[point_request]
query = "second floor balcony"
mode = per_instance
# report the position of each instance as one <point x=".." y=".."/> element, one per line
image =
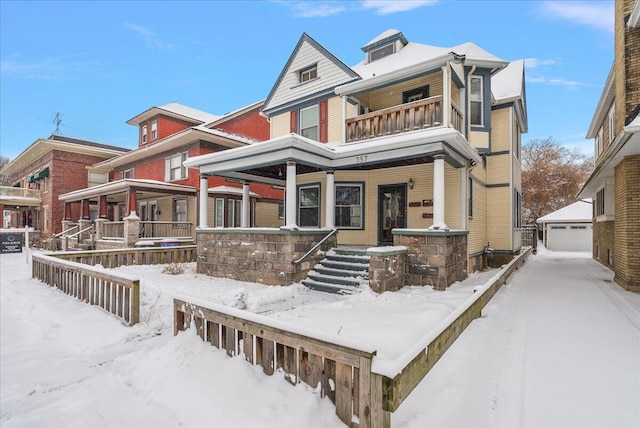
<point x="417" y="115"/>
<point x="20" y="196"/>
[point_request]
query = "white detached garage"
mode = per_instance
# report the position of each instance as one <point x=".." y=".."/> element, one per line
<point x="569" y="228"/>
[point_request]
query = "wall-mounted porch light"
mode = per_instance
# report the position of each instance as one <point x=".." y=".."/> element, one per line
<point x="411" y="183"/>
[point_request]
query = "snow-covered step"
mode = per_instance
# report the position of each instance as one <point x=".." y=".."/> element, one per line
<point x="340" y="272"/>
<point x="329" y="288"/>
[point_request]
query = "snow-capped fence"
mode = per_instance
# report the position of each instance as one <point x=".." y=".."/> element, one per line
<point x="338" y="367"/>
<point x="132" y="256"/>
<point x="116" y="294"/>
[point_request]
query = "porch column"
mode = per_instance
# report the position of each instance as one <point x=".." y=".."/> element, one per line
<point x="67" y="211"/>
<point x="102" y="207"/>
<point x="246" y="204"/>
<point x="446" y="95"/>
<point x="344" y="118"/>
<point x="438" y="193"/>
<point x="132" y="202"/>
<point x="290" y="195"/>
<point x="204" y="202"/>
<point x="84" y="204"/>
<point x="331" y="201"/>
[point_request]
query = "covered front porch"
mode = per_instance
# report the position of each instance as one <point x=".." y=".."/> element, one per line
<point x="389" y="192"/>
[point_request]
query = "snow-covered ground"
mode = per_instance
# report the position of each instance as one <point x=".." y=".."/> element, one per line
<point x="559" y="345"/>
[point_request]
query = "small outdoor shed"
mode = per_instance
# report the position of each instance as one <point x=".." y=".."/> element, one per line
<point x="569" y="228"/>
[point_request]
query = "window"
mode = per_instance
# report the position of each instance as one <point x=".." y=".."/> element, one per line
<point x="309" y="73"/>
<point x="381" y="52"/>
<point x="309" y="122"/>
<point x="219" y="219"/>
<point x="600" y="202"/>
<point x="612" y="125"/>
<point x="45" y="214"/>
<point x="280" y="210"/>
<point x="127" y="173"/>
<point x="180" y="210"/>
<point x="154" y="130"/>
<point x="599" y="142"/>
<point x="234" y="212"/>
<point x="415" y="94"/>
<point x="476" y="101"/>
<point x="349" y="206"/>
<point x="470" y="197"/>
<point x="144" y="134"/>
<point x="309" y="211"/>
<point x="98" y="177"/>
<point x="174" y="170"/>
<point x="517" y="209"/>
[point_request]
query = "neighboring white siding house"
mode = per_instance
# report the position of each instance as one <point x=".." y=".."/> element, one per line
<point x="569" y="228"/>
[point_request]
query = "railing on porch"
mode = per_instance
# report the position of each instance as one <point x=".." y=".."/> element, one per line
<point x="165" y="229"/>
<point x="132" y="256"/>
<point x="116" y="294"/>
<point x="113" y="230"/>
<point x="421" y="114"/>
<point x="529" y="237"/>
<point x="20" y="192"/>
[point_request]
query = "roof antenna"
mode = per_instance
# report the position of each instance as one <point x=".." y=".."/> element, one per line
<point x="57" y="120"/>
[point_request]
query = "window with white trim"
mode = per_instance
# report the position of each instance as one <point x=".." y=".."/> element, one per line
<point x="475" y="97"/>
<point x="517" y="209"/>
<point x="234" y="212"/>
<point x="612" y="125"/>
<point x="309" y="209"/>
<point x="309" y="121"/>
<point x="127" y="173"/>
<point x="600" y="204"/>
<point x="154" y="130"/>
<point x="219" y="215"/>
<point x="174" y="169"/>
<point x="98" y="177"/>
<point x="349" y="201"/>
<point x="144" y="134"/>
<point x="470" y="203"/>
<point x="180" y="210"/>
<point x="308" y="73"/>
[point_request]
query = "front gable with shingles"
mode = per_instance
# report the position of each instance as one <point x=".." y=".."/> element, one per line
<point x="289" y="91"/>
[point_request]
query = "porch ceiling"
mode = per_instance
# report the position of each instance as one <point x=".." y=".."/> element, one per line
<point x="265" y="161"/>
<point x="148" y="188"/>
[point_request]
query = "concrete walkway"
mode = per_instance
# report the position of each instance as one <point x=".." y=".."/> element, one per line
<point x="558" y="346"/>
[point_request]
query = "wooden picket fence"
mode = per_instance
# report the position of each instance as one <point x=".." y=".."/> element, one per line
<point x="340" y="369"/>
<point x="116" y="294"/>
<point x="132" y="256"/>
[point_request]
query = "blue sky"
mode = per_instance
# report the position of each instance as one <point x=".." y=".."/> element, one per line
<point x="99" y="64"/>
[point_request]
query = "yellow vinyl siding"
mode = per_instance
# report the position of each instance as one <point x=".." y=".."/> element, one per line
<point x="498" y="169"/>
<point x="500" y="130"/>
<point x="266" y="215"/>
<point x="479" y="139"/>
<point x="499" y="217"/>
<point x="392" y="95"/>
<point x="452" y="199"/>
<point x="280" y="124"/>
<point x="477" y="237"/>
<point x="334" y="119"/>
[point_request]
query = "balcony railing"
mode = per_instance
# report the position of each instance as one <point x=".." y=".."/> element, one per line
<point x="19" y="192"/>
<point x="421" y="114"/>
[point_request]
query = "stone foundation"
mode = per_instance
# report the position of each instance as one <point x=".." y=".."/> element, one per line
<point x="435" y="258"/>
<point x="387" y="269"/>
<point x="262" y="255"/>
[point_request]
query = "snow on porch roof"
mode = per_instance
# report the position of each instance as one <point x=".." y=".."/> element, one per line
<point x="229" y="190"/>
<point x="580" y="211"/>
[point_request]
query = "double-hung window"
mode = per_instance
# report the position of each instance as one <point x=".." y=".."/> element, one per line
<point x="154" y="129"/>
<point x="309" y="122"/>
<point x="309" y="73"/>
<point x="309" y="210"/>
<point x="180" y="210"/>
<point x="349" y="200"/>
<point x="600" y="210"/>
<point x="144" y="134"/>
<point x="612" y="125"/>
<point x="476" y="100"/>
<point x="174" y="170"/>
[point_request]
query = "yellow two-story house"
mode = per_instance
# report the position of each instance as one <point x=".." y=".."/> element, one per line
<point x="413" y="143"/>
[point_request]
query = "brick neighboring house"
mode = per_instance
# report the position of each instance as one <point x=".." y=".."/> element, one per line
<point x="152" y="182"/>
<point x="615" y="183"/>
<point x="46" y="169"/>
<point x="416" y="146"/>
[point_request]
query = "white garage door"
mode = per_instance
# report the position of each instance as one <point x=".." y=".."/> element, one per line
<point x="569" y="237"/>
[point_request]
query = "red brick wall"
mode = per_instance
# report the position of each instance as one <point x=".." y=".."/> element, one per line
<point x="166" y="126"/>
<point x="250" y="125"/>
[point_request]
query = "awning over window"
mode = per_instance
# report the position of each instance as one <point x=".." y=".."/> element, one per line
<point x="40" y="175"/>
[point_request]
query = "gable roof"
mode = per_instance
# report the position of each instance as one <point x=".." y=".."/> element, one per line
<point x="331" y="73"/>
<point x="176" y="111"/>
<point x="576" y="212"/>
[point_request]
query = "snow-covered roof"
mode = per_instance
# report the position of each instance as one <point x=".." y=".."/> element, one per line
<point x="580" y="211"/>
<point x="384" y="35"/>
<point x="507" y="84"/>
<point x="474" y="54"/>
<point x="175" y="110"/>
<point x="229" y="190"/>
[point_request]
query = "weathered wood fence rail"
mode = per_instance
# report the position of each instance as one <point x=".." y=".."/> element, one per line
<point x="339" y="367"/>
<point x="132" y="256"/>
<point x="116" y="294"/>
<point x="367" y="390"/>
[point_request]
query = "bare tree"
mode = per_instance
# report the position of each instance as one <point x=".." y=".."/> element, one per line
<point x="551" y="176"/>
<point x="4" y="180"/>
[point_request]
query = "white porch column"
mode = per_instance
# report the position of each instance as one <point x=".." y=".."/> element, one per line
<point x="446" y="94"/>
<point x="246" y="204"/>
<point x="290" y="195"/>
<point x="438" y="193"/>
<point x="204" y="198"/>
<point x="344" y="118"/>
<point x="331" y="201"/>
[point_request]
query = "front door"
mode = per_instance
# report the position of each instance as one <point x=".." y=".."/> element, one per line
<point x="392" y="209"/>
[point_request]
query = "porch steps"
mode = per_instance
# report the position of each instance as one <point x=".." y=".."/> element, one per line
<point x="342" y="271"/>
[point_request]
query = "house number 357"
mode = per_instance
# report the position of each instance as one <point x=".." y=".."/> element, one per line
<point x="361" y="159"/>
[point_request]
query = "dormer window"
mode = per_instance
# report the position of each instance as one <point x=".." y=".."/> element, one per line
<point x="309" y="73"/>
<point x="154" y="129"/>
<point x="381" y="52"/>
<point x="144" y="134"/>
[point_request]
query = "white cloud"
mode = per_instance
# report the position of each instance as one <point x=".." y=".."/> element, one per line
<point x="150" y="37"/>
<point x="531" y="63"/>
<point x="386" y="7"/>
<point x="595" y="14"/>
<point x="52" y="68"/>
<point x="557" y="81"/>
<point x="313" y="9"/>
